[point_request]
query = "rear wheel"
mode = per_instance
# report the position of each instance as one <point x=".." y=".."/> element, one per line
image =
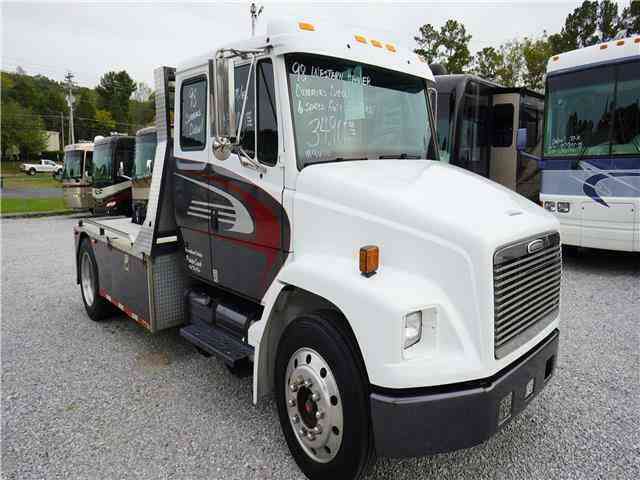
<point x="97" y="307"/>
<point x="322" y="397"/>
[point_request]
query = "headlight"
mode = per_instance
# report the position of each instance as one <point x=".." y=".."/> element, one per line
<point x="412" y="328"/>
<point x="563" y="207"/>
<point x="551" y="206"/>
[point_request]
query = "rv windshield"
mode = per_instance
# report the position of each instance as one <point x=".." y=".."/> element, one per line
<point x="145" y="154"/>
<point x="594" y="112"/>
<point x="72" y="165"/>
<point x="102" y="164"/>
<point x="344" y="110"/>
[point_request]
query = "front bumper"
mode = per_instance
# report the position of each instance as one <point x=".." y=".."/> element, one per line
<point x="441" y="419"/>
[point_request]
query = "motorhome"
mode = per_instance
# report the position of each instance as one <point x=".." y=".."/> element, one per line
<point x="146" y="141"/>
<point x="477" y="126"/>
<point x="591" y="155"/>
<point x="112" y="167"/>
<point x="301" y="228"/>
<point x="76" y="176"/>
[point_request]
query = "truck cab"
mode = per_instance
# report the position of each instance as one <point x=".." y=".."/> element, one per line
<point x="301" y="228"/>
<point x="112" y="166"/>
<point x="478" y="122"/>
<point x="76" y="176"/>
<point x="145" y="151"/>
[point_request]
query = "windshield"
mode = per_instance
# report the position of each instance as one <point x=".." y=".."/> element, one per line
<point x="344" y="110"/>
<point x="102" y="164"/>
<point x="594" y="112"/>
<point x="72" y="165"/>
<point x="145" y="154"/>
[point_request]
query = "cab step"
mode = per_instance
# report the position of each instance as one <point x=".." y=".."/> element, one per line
<point x="216" y="341"/>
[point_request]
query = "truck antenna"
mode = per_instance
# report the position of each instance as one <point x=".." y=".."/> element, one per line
<point x="255" y="13"/>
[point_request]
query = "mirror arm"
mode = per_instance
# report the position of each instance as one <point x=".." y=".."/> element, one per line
<point x="247" y="161"/>
<point x="244" y="101"/>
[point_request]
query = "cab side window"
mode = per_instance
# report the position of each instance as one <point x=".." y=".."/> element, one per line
<point x="193" y="113"/>
<point x="241" y="87"/>
<point x="267" y="117"/>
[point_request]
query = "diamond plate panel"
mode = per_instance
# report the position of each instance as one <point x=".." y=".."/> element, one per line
<point x="169" y="283"/>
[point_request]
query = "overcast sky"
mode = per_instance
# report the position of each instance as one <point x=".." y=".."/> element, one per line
<point x="91" y="38"/>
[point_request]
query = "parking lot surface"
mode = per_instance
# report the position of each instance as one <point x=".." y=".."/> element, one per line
<point x="108" y="400"/>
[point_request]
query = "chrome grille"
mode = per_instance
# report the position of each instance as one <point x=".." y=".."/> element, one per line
<point x="526" y="286"/>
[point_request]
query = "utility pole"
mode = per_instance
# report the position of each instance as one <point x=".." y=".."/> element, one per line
<point x="70" y="101"/>
<point x="255" y="13"/>
<point x="62" y="130"/>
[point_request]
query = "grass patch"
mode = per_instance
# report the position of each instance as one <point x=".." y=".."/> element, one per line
<point x="27" y="205"/>
<point x="23" y="182"/>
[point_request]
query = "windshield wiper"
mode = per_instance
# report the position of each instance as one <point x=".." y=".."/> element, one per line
<point x="400" y="156"/>
<point x="338" y="159"/>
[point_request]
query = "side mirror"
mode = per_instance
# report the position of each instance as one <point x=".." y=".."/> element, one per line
<point x="121" y="171"/>
<point x="149" y="164"/>
<point x="521" y="139"/>
<point x="223" y="127"/>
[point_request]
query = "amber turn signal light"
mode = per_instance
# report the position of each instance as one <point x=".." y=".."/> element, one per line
<point x="369" y="260"/>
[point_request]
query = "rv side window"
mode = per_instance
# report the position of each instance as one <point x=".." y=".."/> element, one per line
<point x="248" y="131"/>
<point x="502" y="125"/>
<point x="193" y="114"/>
<point x="530" y="118"/>
<point x="267" y="118"/>
<point x="88" y="163"/>
<point x="124" y="155"/>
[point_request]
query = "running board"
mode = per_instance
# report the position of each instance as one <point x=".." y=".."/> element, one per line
<point x="218" y="342"/>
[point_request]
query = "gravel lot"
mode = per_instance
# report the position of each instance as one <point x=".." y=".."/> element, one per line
<point x="108" y="400"/>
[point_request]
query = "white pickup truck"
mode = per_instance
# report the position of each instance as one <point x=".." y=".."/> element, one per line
<point x="46" y="166"/>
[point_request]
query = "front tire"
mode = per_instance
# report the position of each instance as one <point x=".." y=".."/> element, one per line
<point x="322" y="399"/>
<point x="97" y="307"/>
<point x="32" y="171"/>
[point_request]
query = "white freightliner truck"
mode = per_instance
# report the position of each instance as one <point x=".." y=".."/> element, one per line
<point x="299" y="224"/>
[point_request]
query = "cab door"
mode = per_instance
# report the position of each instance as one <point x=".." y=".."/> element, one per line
<point x="192" y="154"/>
<point x="251" y="229"/>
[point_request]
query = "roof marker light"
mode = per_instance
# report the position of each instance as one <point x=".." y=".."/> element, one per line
<point x="637" y="40"/>
<point x="391" y="47"/>
<point x="620" y="42"/>
<point x="360" y="38"/>
<point x="306" y="26"/>
<point x="604" y="46"/>
<point x="376" y="43"/>
<point x="556" y="58"/>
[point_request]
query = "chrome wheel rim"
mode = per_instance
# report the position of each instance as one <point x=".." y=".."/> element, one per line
<point x="86" y="274"/>
<point x="314" y="405"/>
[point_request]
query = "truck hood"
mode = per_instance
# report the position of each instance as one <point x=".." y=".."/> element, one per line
<point x="430" y="196"/>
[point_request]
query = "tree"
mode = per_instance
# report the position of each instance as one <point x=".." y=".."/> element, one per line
<point x="85" y="114"/>
<point x="591" y="23"/>
<point x="536" y="54"/>
<point x="114" y="92"/>
<point x="21" y="130"/>
<point x="487" y="62"/>
<point x="142" y="92"/>
<point x="449" y="45"/>
<point x="511" y="72"/>
<point x="105" y="124"/>
<point x="630" y="18"/>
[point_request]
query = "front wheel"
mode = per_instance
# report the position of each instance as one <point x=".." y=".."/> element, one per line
<point x="322" y="398"/>
<point x="32" y="171"/>
<point x="97" y="307"/>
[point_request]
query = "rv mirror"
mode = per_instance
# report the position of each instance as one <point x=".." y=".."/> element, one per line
<point x="521" y="139"/>
<point x="149" y="163"/>
<point x="121" y="169"/>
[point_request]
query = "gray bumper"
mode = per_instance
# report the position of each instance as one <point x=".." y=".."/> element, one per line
<point x="419" y="422"/>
